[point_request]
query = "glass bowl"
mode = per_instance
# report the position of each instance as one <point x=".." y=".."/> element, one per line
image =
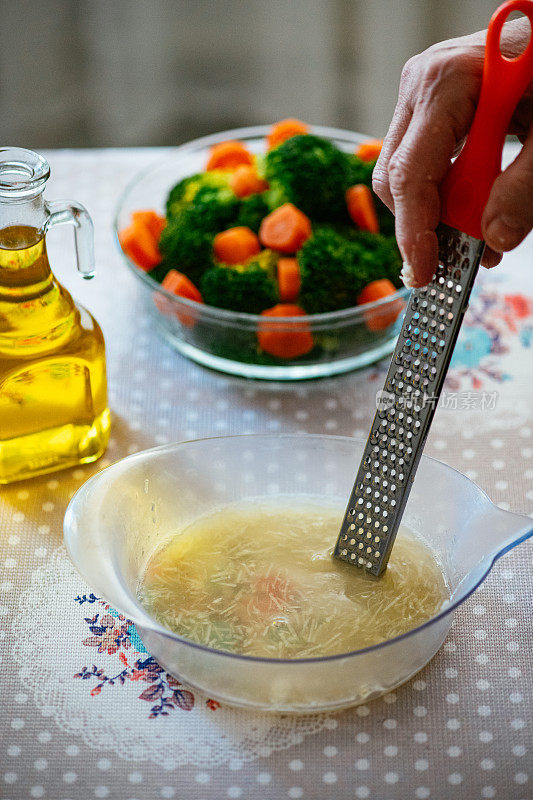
<point x="227" y="340"/>
<point x="121" y="515"/>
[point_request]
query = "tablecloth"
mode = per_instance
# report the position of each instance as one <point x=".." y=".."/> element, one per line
<point x="79" y="693"/>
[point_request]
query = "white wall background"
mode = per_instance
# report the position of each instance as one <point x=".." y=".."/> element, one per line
<point x="132" y="72"/>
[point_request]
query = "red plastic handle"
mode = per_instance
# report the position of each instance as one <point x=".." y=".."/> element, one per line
<point x="466" y="188"/>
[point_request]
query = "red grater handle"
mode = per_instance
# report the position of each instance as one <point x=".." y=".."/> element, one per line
<point x="466" y="188"/>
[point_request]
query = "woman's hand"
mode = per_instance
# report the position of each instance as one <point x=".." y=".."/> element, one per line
<point x="437" y="99"/>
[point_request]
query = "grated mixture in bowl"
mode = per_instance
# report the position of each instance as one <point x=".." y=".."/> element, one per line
<point x="261" y="581"/>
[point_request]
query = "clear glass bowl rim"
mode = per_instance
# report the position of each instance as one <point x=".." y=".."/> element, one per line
<point x="157" y="628"/>
<point x="350" y="315"/>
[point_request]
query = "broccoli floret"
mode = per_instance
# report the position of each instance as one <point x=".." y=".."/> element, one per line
<point x="332" y="271"/>
<point x="310" y="172"/>
<point x="187" y="241"/>
<point x="252" y="211"/>
<point x="186" y="244"/>
<point x="249" y="287"/>
<point x="198" y="208"/>
<point x="360" y="171"/>
<point x="267" y="260"/>
<point x="204" y="187"/>
<point x="379" y="255"/>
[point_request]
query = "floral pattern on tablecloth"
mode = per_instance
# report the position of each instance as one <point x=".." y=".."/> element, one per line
<point x="495" y="323"/>
<point x="112" y="633"/>
<point x="102" y="650"/>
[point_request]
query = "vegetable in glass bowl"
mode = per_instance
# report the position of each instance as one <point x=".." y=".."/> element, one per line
<point x="264" y="252"/>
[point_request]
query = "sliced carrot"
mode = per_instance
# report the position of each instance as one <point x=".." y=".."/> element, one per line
<point x="361" y="207"/>
<point x="289" y="340"/>
<point x="179" y="284"/>
<point x="228" y="155"/>
<point x="152" y="220"/>
<point x="285" y="229"/>
<point x="140" y="245"/>
<point x="272" y="592"/>
<point x="283" y="130"/>
<point x="370" y="150"/>
<point x="236" y="245"/>
<point x="289" y="280"/>
<point x="245" y="181"/>
<point x="380" y="318"/>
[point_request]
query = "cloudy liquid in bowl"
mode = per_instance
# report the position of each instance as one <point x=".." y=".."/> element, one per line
<point x="261" y="581"/>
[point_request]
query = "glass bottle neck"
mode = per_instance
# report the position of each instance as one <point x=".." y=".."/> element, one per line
<point x="24" y="266"/>
<point x="29" y="213"/>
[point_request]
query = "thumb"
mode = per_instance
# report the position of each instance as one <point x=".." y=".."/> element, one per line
<point x="508" y="215"/>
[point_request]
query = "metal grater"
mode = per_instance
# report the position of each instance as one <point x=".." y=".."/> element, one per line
<point x="407" y="404"/>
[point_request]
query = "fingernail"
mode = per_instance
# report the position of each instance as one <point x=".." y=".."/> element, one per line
<point x="408" y="277"/>
<point x="504" y="234"/>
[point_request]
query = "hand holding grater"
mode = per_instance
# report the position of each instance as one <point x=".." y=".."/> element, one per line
<point x="434" y="315"/>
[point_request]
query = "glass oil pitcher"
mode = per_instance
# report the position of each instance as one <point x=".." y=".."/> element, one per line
<point x="53" y="392"/>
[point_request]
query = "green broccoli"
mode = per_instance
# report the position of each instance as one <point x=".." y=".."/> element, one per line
<point x="379" y="256"/>
<point x="252" y="211"/>
<point x="310" y="172"/>
<point x="360" y="171"/>
<point x="332" y="271"/>
<point x="187" y="244"/>
<point x="201" y="210"/>
<point x="249" y="287"/>
<point x="213" y="185"/>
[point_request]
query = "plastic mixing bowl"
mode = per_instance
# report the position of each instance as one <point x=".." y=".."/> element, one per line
<point x="121" y="515"/>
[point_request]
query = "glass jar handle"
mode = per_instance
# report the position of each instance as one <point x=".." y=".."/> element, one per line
<point x="61" y="212"/>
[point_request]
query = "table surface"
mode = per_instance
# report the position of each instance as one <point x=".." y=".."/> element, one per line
<point x="76" y="704"/>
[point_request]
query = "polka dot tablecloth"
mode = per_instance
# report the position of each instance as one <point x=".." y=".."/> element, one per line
<point x="82" y="701"/>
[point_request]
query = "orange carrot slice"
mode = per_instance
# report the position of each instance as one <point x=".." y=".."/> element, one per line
<point x="228" y="155"/>
<point x="361" y="208"/>
<point x="284" y="130"/>
<point x="285" y="229"/>
<point x="236" y="245"/>
<point x="285" y="341"/>
<point x="179" y="284"/>
<point x="380" y="318"/>
<point x="245" y="181"/>
<point x="140" y="245"/>
<point x="370" y="150"/>
<point x="152" y="220"/>
<point x="289" y="280"/>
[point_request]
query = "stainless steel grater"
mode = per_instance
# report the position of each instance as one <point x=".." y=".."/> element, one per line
<point x="407" y="404"/>
<point x="434" y="313"/>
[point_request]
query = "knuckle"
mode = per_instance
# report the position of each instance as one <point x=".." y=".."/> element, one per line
<point x="409" y="69"/>
<point x="522" y="185"/>
<point x="380" y="181"/>
<point x="399" y="174"/>
<point x="445" y="66"/>
<point x="510" y="192"/>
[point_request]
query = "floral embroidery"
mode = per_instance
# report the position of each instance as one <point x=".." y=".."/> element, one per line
<point x="492" y="321"/>
<point x="108" y="636"/>
<point x="84" y="599"/>
<point x="112" y="633"/>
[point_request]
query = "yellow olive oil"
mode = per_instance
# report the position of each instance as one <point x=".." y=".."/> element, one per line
<point x="53" y="393"/>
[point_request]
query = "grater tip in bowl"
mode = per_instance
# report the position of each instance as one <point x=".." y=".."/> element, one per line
<point x="406" y="406"/>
